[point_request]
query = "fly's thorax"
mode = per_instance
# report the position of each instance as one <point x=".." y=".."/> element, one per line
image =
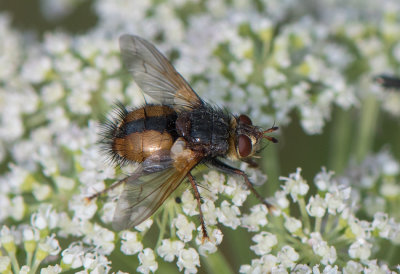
<point x="206" y="129"/>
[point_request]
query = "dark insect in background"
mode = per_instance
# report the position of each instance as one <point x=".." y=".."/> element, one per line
<point x="169" y="139"/>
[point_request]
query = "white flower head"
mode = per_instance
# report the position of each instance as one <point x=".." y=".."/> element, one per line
<point x="288" y="257"/>
<point x="295" y="185"/>
<point x="323" y="179"/>
<point x="189" y="260"/>
<point x="237" y="191"/>
<point x="51" y="269"/>
<point x="144" y="226"/>
<point x="335" y="199"/>
<point x="321" y="248"/>
<point x="189" y="203"/>
<point x="292" y="224"/>
<point x="265" y="241"/>
<point x="209" y="245"/>
<point x="316" y="206"/>
<point x="130" y="244"/>
<point x="185" y="228"/>
<point x="147" y="261"/>
<point x="168" y="249"/>
<point x="257" y="218"/>
<point x="360" y="249"/>
<point x="73" y="255"/>
<point x="209" y="212"/>
<point x="228" y="214"/>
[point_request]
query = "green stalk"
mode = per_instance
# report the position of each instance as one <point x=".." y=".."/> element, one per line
<point x="270" y="166"/>
<point x="216" y="263"/>
<point x="304" y="215"/>
<point x="367" y="127"/>
<point x="340" y="140"/>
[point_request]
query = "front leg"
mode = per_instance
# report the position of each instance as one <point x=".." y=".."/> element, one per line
<point x="231" y="170"/>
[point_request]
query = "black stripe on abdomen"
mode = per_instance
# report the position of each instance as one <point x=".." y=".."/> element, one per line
<point x="157" y="123"/>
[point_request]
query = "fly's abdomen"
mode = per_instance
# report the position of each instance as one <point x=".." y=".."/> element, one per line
<point x="142" y="132"/>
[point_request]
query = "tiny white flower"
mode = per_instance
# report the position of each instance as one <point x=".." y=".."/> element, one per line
<point x="64" y="183"/>
<point x="323" y="179"/>
<point x="189" y="260"/>
<point x="265" y="241"/>
<point x="210" y="245"/>
<point x="18" y="208"/>
<point x="352" y="267"/>
<point x="390" y="190"/>
<point x="237" y="191"/>
<point x="316" y="206"/>
<point x="25" y="270"/>
<point x="321" y="248"/>
<point x="184" y="227"/>
<point x="46" y="217"/>
<point x="129" y="243"/>
<point x="49" y="246"/>
<point x="228" y="215"/>
<point x="273" y="77"/>
<point x="209" y="212"/>
<point x="41" y="191"/>
<point x="360" y="228"/>
<point x="30" y="234"/>
<point x="288" y="257"/>
<point x="51" y="269"/>
<point x="147" y="261"/>
<point x="360" y="249"/>
<point x="96" y="263"/>
<point x="189" y="203"/>
<point x="292" y="224"/>
<point x="216" y="182"/>
<point x="5" y="264"/>
<point x="281" y="200"/>
<point x="168" y="249"/>
<point x="52" y="92"/>
<point x="257" y="218"/>
<point x="73" y="255"/>
<point x="295" y="185"/>
<point x="101" y="237"/>
<point x="144" y="226"/>
<point x="81" y="208"/>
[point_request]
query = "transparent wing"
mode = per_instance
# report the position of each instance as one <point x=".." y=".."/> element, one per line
<point x="144" y="193"/>
<point x="155" y="75"/>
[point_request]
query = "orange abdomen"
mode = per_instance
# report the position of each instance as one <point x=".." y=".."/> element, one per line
<point x="145" y="131"/>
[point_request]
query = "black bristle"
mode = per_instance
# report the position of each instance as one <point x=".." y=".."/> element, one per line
<point x="108" y="132"/>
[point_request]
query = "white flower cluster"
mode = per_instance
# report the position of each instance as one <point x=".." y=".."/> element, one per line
<point x="264" y="58"/>
<point x="330" y="212"/>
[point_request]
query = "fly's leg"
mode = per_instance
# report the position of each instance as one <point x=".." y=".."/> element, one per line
<point x="198" y="198"/>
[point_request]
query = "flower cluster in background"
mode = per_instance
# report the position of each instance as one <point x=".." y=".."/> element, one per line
<point x="284" y="62"/>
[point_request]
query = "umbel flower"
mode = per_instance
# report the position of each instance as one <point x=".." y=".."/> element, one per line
<point x="305" y="63"/>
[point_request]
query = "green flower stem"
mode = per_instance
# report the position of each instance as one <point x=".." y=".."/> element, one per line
<point x="367" y="127"/>
<point x="317" y="225"/>
<point x="14" y="262"/>
<point x="164" y="220"/>
<point x="216" y="263"/>
<point x="340" y="140"/>
<point x="304" y="215"/>
<point x="270" y="166"/>
<point x="329" y="226"/>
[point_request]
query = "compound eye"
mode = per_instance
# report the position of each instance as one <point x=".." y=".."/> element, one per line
<point x="245" y="119"/>
<point x="244" y="145"/>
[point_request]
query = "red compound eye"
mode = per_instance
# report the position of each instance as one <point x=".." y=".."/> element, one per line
<point x="245" y="119"/>
<point x="244" y="145"/>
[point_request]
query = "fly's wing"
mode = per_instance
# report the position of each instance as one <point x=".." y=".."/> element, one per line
<point x="155" y="75"/>
<point x="147" y="189"/>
